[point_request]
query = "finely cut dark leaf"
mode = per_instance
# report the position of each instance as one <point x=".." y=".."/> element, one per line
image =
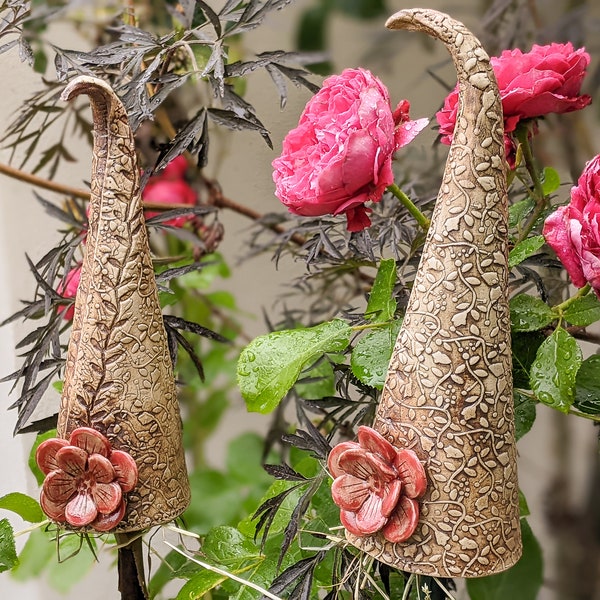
<point x="284" y="472"/>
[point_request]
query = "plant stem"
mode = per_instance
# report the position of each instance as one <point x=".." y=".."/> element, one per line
<point x="522" y="135"/>
<point x="560" y="308"/>
<point x="421" y="219"/>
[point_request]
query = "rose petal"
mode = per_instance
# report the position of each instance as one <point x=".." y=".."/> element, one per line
<point x="90" y="440"/>
<point x="45" y="455"/>
<point x="369" y="517"/>
<point x="107" y="496"/>
<point x="126" y="470"/>
<point x="101" y="469"/>
<point x="59" y="486"/>
<point x="411" y="473"/>
<point x="366" y="465"/>
<point x="55" y="510"/>
<point x="81" y="510"/>
<point x="72" y="460"/>
<point x="373" y="441"/>
<point x="334" y="457"/>
<point x="349" y="492"/>
<point x="403" y="521"/>
<point x="111" y="520"/>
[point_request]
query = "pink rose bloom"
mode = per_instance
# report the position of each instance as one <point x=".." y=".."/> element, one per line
<point x="376" y="486"/>
<point x="67" y="288"/>
<point x="547" y="79"/>
<point x="340" y="155"/>
<point x="170" y="187"/>
<point x="573" y="231"/>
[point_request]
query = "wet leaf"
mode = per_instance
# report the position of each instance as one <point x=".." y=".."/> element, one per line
<point x="554" y="370"/>
<point x="522" y="581"/>
<point x="524" y="413"/>
<point x="528" y="313"/>
<point x="550" y="180"/>
<point x="525" y="249"/>
<point x="382" y="306"/>
<point x="270" y="364"/>
<point x="587" y="386"/>
<point x="199" y="585"/>
<point x="371" y="354"/>
<point x="583" y="311"/>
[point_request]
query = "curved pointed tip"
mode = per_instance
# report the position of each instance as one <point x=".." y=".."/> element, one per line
<point x="84" y="84"/>
<point x="397" y="20"/>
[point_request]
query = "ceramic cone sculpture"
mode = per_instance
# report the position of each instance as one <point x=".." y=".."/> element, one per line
<point x="448" y="393"/>
<point x="118" y="377"/>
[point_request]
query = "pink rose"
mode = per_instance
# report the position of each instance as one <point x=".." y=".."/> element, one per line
<point x="533" y="84"/>
<point x="340" y="155"/>
<point x="573" y="231"/>
<point x="67" y="288"/>
<point x="170" y="187"/>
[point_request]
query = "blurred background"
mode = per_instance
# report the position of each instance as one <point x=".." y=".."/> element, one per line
<point x="563" y="493"/>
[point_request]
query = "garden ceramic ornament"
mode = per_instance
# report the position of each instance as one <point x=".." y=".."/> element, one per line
<point x="432" y="487"/>
<point x="118" y="462"/>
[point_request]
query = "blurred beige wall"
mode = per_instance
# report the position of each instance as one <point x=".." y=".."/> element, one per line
<point x="245" y="175"/>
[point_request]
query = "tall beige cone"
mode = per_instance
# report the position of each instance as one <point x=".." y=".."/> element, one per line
<point x="118" y="377"/>
<point x="448" y="393"/>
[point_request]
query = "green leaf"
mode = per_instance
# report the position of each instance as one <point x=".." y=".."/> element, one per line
<point x="37" y="553"/>
<point x="244" y="459"/>
<point x="8" y="551"/>
<point x="524" y="413"/>
<point x="525" y="249"/>
<point x="518" y="211"/>
<point x="229" y="547"/>
<point x="25" y="506"/>
<point x="199" y="585"/>
<point x="41" y="437"/>
<point x="583" y="311"/>
<point x="382" y="306"/>
<point x="318" y="381"/>
<point x="524" y="349"/>
<point x="550" y="180"/>
<point x="554" y="370"/>
<point x="166" y="571"/>
<point x="528" y="313"/>
<point x="361" y="9"/>
<point x="587" y="386"/>
<point x="522" y="581"/>
<point x="75" y="561"/>
<point x="270" y="365"/>
<point x="523" y="506"/>
<point x="371" y="355"/>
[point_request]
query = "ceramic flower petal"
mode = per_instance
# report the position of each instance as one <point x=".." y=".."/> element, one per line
<point x="59" y="486"/>
<point x="107" y="496"/>
<point x="45" y="455"/>
<point x="72" y="460"/>
<point x="125" y="469"/>
<point x="55" y="510"/>
<point x="391" y="496"/>
<point x="369" y="517"/>
<point x="365" y="465"/>
<point x="111" y="520"/>
<point x="411" y="473"/>
<point x="90" y="440"/>
<point x="334" y="457"/>
<point x="371" y="440"/>
<point x="350" y="492"/>
<point x="101" y="469"/>
<point x="81" y="510"/>
<point x="403" y="521"/>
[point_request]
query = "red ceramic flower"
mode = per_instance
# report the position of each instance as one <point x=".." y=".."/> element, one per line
<point x="340" y="155"/>
<point x="67" y="288"/>
<point x="170" y="187"/>
<point x="573" y="231"/>
<point x="85" y="479"/>
<point x="376" y="486"/>
<point x="545" y="80"/>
